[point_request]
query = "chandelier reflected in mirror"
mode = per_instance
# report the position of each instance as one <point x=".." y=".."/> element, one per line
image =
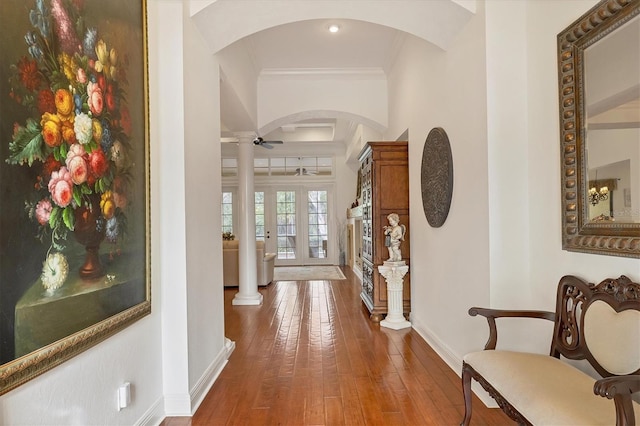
<point x="599" y="190"/>
<point x="598" y="194"/>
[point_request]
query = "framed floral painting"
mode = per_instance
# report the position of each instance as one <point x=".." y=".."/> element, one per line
<point x="74" y="179"/>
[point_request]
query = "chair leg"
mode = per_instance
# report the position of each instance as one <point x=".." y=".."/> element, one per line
<point x="466" y="392"/>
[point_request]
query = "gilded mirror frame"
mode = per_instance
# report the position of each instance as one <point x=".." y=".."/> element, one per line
<point x="578" y="234"/>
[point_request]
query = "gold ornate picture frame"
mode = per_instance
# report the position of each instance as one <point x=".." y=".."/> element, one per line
<point x="74" y="179"/>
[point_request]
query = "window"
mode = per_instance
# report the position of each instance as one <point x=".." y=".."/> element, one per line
<point x="282" y="166"/>
<point x="229" y="167"/>
<point x="227" y="212"/>
<point x="317" y="211"/>
<point x="261" y="166"/>
<point x="277" y="167"/>
<point x="286" y="224"/>
<point x="259" y="200"/>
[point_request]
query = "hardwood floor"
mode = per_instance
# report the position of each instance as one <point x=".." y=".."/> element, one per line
<point x="310" y="356"/>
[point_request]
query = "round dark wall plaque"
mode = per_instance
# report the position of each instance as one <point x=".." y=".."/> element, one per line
<point x="436" y="177"/>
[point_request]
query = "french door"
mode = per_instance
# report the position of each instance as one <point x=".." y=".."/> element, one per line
<point x="295" y="222"/>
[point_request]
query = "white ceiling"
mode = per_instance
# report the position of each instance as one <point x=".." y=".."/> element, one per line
<point x="308" y="45"/>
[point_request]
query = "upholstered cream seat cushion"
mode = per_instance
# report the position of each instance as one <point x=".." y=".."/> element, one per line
<point x="231" y="264"/>
<point x="544" y="389"/>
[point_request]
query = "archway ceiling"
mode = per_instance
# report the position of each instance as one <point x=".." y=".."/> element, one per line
<point x="302" y="47"/>
<point x="308" y="46"/>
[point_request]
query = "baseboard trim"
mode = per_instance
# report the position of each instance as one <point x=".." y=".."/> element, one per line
<point x="451" y="359"/>
<point x="174" y="405"/>
<point x="357" y="271"/>
<point x="177" y="405"/>
<point x="153" y="416"/>
<point x="210" y="375"/>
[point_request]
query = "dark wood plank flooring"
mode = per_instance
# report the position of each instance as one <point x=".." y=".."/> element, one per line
<point x="310" y="356"/>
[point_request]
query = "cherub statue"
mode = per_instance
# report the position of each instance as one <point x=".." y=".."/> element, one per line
<point x="394" y="234"/>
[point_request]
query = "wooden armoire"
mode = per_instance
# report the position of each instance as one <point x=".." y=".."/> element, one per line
<point x="385" y="189"/>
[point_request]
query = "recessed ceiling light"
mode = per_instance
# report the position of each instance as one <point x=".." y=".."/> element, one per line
<point x="334" y="28"/>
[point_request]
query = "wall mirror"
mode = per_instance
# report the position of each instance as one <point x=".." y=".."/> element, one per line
<point x="599" y="83"/>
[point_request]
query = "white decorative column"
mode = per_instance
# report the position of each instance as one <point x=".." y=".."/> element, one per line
<point x="248" y="293"/>
<point x="393" y="272"/>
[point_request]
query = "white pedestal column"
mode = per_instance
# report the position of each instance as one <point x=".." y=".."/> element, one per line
<point x="393" y="272"/>
<point x="248" y="293"/>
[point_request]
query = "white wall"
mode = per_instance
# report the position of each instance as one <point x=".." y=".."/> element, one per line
<point x="431" y="88"/>
<point x="169" y="79"/>
<point x="239" y="77"/>
<point x="548" y="261"/>
<point x="205" y="298"/>
<point x="361" y="136"/>
<point x="83" y="391"/>
<point x="495" y="93"/>
<point x="346" y="179"/>
<point x="507" y="148"/>
<point x="362" y="93"/>
<point x="194" y="348"/>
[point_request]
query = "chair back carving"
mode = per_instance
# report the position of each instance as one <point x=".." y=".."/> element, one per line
<point x="609" y="310"/>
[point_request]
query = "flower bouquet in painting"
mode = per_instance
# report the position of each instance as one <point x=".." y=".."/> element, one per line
<point x="77" y="136"/>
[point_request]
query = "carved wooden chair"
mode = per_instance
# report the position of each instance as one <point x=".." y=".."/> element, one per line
<point x="597" y="323"/>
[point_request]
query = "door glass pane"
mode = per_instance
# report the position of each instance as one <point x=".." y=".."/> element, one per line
<point x="227" y="212"/>
<point x="317" y="208"/>
<point x="286" y="224"/>
<point x="259" y="201"/>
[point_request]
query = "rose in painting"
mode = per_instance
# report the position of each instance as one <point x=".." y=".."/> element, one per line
<point x="76" y="134"/>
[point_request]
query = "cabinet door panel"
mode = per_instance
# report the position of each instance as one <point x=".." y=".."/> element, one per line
<point x="392" y="182"/>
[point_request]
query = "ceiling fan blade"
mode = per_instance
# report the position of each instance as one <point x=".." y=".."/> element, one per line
<point x="266" y="144"/>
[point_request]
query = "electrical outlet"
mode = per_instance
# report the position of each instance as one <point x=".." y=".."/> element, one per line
<point x="124" y="396"/>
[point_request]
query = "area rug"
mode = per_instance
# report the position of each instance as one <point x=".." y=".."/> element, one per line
<point x="307" y="273"/>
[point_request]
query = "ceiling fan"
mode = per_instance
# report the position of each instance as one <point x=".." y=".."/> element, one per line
<point x="265" y="144"/>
